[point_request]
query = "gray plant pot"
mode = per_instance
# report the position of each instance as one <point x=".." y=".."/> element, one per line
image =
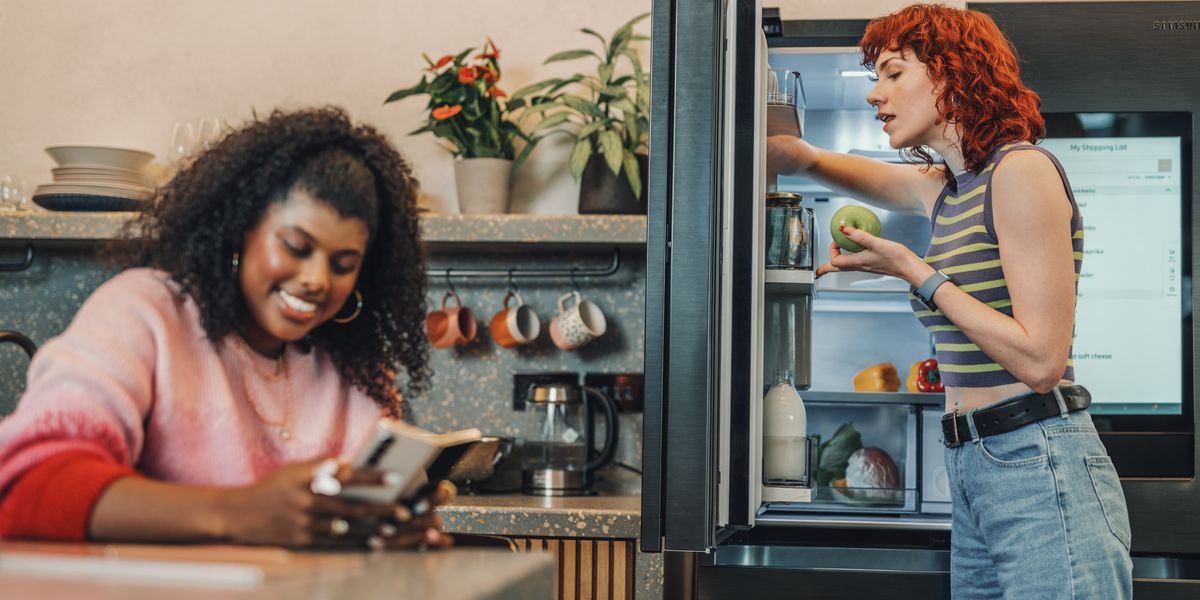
<point x="602" y="193"/>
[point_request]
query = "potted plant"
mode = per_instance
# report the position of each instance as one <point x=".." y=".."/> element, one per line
<point x="469" y="112"/>
<point x="611" y="110"/>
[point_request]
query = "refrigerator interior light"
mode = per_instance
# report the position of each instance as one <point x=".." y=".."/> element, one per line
<point x="855" y="73"/>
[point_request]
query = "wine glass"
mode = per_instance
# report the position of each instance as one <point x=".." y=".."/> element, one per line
<point x="209" y="132"/>
<point x="183" y="141"/>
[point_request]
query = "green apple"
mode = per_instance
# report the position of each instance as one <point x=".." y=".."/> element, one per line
<point x="858" y="217"/>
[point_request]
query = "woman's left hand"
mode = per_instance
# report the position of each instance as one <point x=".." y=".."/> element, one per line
<point x="877" y="256"/>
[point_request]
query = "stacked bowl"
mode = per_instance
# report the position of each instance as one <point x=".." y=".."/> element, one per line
<point x="96" y="178"/>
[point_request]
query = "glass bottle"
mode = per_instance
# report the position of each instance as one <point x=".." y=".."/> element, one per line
<point x="785" y="431"/>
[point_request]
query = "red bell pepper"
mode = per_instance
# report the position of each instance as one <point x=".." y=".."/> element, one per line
<point x="929" y="378"/>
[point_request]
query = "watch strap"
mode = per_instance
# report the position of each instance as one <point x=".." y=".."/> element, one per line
<point x="925" y="292"/>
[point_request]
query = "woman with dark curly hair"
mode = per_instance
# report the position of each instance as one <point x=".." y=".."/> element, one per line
<point x="278" y="291"/>
<point x="1038" y="510"/>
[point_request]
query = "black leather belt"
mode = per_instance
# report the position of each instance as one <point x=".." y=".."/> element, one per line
<point x="1010" y="414"/>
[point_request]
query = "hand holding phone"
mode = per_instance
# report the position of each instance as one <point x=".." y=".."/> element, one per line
<point x="413" y="461"/>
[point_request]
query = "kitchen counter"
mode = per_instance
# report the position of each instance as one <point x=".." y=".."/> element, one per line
<point x="537" y="516"/>
<point x="130" y="572"/>
<point x="610" y="516"/>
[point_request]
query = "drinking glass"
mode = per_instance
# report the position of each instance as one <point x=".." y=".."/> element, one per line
<point x="183" y="141"/>
<point x="209" y="132"/>
<point x="12" y="193"/>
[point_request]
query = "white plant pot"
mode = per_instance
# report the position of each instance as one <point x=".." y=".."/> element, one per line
<point x="483" y="185"/>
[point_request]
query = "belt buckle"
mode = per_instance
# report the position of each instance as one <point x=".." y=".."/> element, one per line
<point x="954" y="426"/>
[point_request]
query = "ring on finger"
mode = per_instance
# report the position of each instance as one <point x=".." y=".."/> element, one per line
<point x="338" y="527"/>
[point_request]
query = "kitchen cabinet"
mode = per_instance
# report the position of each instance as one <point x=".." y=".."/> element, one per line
<point x="587" y="569"/>
<point x="592" y="540"/>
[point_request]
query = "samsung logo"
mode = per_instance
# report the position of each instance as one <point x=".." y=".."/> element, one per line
<point x="1177" y="26"/>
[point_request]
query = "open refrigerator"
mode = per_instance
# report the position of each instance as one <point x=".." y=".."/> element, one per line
<point x="720" y="322"/>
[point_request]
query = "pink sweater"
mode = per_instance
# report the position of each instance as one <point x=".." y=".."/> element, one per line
<point x="135" y="380"/>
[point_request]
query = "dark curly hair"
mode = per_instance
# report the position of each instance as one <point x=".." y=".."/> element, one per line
<point x="201" y="217"/>
<point x="976" y="65"/>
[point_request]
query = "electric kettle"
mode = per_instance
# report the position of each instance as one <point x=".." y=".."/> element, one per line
<point x="559" y="457"/>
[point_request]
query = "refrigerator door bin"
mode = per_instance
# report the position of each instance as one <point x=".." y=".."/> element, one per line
<point x="866" y="458"/>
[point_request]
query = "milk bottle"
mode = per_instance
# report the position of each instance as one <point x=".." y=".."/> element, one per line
<point x="785" y="427"/>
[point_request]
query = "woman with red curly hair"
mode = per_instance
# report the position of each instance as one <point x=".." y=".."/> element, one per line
<point x="1038" y="510"/>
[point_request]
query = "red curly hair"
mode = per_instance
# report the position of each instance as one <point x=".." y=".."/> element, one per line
<point x="965" y="52"/>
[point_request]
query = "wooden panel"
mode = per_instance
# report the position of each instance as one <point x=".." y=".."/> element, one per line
<point x="570" y="570"/>
<point x="587" y="569"/>
<point x="603" y="570"/>
<point x="622" y="571"/>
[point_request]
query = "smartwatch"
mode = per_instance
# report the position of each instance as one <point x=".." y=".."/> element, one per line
<point x="925" y="293"/>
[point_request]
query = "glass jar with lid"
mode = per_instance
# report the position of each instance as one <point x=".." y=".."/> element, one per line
<point x="790" y="232"/>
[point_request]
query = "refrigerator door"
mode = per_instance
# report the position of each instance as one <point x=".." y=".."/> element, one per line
<point x="704" y="274"/>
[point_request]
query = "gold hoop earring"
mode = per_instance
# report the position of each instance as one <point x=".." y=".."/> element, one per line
<point x="358" y="298"/>
<point x="236" y="257"/>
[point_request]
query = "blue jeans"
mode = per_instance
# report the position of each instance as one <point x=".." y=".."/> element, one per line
<point x="1038" y="513"/>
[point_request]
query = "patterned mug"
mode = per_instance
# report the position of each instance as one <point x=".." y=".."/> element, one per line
<point x="577" y="325"/>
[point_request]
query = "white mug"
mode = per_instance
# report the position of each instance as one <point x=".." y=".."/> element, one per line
<point x="577" y="325"/>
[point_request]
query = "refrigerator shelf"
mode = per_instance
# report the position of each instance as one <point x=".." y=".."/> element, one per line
<point x="774" y="515"/>
<point x="789" y="281"/>
<point x="786" y="493"/>
<point x="921" y="399"/>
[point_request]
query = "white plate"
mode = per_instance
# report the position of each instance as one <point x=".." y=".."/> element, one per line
<point x="93" y="190"/>
<point x="99" y="179"/>
<point x="97" y="170"/>
<point x="123" y="158"/>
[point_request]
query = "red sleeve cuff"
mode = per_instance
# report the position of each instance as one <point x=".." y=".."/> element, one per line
<point x="54" y="499"/>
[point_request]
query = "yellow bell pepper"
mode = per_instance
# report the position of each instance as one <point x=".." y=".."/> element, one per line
<point x="882" y="377"/>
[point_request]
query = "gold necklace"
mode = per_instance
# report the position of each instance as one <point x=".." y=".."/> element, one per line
<point x="279" y="362"/>
<point x="285" y="432"/>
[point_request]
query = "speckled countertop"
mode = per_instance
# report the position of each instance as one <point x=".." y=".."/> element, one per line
<point x="535" y="516"/>
<point x="623" y="230"/>
<point x="613" y="512"/>
<point x="53" y="571"/>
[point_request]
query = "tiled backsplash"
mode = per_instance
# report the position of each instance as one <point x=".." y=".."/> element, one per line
<point x="472" y="384"/>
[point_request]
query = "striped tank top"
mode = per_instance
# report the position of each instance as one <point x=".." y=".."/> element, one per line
<point x="965" y="248"/>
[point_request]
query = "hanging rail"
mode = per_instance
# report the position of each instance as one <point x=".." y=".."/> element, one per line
<point x="572" y="272"/>
<point x="20" y="266"/>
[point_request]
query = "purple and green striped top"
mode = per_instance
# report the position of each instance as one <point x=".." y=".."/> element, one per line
<point x="964" y="247"/>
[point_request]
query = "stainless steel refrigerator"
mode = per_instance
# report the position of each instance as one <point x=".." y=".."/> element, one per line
<point x="710" y="302"/>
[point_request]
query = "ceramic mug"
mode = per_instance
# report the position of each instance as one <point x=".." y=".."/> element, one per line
<point x="577" y="325"/>
<point x="450" y="326"/>
<point x="515" y="325"/>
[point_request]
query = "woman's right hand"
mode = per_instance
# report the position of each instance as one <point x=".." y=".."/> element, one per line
<point x="281" y="509"/>
<point x="789" y="155"/>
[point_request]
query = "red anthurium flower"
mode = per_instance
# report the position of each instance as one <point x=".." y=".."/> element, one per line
<point x="489" y="75"/>
<point x="442" y="113"/>
<point x="494" y="54"/>
<point x="496" y="92"/>
<point x="467" y="75"/>
<point x="443" y="60"/>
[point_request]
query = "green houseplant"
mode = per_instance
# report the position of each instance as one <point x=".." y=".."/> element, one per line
<point x="610" y="108"/>
<point x="472" y="116"/>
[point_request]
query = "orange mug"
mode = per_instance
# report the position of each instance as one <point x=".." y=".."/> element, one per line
<point x="515" y="325"/>
<point x="449" y="327"/>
